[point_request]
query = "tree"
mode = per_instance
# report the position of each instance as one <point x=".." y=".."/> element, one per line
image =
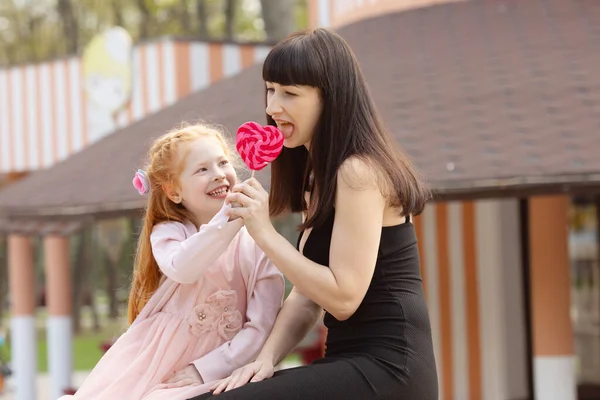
<point x="40" y="30"/>
<point x="202" y="14"/>
<point x="229" y="18"/>
<point x="70" y="28"/>
<point x="145" y="20"/>
<point x="3" y="277"/>
<point x="278" y="17"/>
<point x="83" y="291"/>
<point x="112" y="236"/>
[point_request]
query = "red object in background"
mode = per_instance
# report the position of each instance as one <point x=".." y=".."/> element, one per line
<point x="313" y="346"/>
<point x="69" y="391"/>
<point x="107" y="344"/>
<point x="311" y="354"/>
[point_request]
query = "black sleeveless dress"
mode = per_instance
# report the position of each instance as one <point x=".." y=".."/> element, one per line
<point x="383" y="351"/>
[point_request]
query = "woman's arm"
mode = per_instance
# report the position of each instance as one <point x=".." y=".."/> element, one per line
<point x="359" y="206"/>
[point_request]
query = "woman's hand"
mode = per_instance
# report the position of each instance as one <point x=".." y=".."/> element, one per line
<point x="251" y="204"/>
<point x="253" y="372"/>
<point x="187" y="376"/>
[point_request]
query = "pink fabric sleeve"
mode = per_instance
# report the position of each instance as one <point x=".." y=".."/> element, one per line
<point x="185" y="260"/>
<point x="262" y="309"/>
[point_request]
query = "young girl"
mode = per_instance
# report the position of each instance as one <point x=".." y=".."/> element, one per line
<point x="204" y="297"/>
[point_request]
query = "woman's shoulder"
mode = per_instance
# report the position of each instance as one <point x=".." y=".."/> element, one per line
<point x="360" y="173"/>
<point x="362" y="181"/>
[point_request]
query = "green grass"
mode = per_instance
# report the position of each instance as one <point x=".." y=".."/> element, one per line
<point x="293" y="358"/>
<point x="86" y="352"/>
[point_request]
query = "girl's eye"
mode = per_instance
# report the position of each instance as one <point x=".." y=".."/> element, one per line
<point x="201" y="170"/>
<point x="290" y="93"/>
<point x="270" y="90"/>
<point x="224" y="162"/>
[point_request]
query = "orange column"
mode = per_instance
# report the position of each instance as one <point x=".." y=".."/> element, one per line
<point x="59" y="301"/>
<point x="319" y="13"/>
<point x="313" y="14"/>
<point x="553" y="348"/>
<point x="21" y="278"/>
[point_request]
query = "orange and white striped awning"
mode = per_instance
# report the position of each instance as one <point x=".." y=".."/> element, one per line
<point x="42" y="106"/>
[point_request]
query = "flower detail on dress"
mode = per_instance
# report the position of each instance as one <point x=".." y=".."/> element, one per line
<point x="202" y="319"/>
<point x="219" y="314"/>
<point x="223" y="300"/>
<point x="230" y="323"/>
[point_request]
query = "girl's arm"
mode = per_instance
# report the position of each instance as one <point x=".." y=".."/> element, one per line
<point x="261" y="313"/>
<point x="185" y="260"/>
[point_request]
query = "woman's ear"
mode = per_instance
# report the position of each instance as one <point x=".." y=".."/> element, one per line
<point x="172" y="193"/>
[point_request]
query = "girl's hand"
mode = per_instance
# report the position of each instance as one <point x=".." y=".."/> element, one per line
<point x="188" y="376"/>
<point x="252" y="204"/>
<point x="253" y="372"/>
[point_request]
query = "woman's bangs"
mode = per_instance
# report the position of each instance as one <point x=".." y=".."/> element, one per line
<point x="290" y="63"/>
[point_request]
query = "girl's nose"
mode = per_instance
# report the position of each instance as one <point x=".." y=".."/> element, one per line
<point x="219" y="175"/>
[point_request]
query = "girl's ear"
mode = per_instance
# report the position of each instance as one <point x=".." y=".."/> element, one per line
<point x="172" y="192"/>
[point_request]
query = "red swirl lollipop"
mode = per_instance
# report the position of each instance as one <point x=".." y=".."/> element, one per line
<point x="258" y="145"/>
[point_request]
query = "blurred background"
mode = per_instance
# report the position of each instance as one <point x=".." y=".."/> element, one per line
<point x="496" y="101"/>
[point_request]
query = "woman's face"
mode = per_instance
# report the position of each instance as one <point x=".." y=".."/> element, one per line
<point x="296" y="110"/>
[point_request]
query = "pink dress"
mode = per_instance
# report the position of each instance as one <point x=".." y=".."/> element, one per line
<point x="215" y="308"/>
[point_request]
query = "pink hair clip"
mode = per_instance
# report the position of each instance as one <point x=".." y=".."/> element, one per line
<point x="141" y="182"/>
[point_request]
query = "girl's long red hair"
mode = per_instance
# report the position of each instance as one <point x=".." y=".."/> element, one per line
<point x="166" y="161"/>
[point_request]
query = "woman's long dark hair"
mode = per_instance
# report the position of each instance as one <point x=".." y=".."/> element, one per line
<point x="348" y="126"/>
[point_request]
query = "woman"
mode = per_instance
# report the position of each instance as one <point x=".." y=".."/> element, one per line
<point x="357" y="256"/>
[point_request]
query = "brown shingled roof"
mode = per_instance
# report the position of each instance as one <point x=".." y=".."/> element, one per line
<point x="485" y="96"/>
